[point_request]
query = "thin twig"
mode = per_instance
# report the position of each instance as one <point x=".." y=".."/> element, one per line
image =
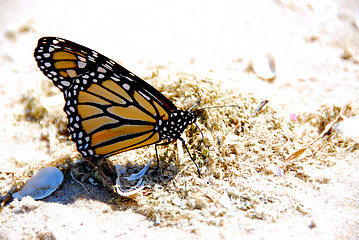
<point x="79" y="182"/>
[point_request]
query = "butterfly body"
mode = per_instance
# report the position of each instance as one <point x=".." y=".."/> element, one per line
<point x="109" y="109"/>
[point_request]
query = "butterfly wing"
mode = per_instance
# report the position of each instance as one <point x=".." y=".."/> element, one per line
<point x="109" y="109"/>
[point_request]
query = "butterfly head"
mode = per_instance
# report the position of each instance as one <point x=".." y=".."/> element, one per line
<point x="177" y="122"/>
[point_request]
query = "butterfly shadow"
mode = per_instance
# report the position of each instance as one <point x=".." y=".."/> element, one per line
<point x="74" y="188"/>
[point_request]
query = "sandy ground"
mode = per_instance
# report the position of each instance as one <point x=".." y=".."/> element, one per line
<point x="211" y="40"/>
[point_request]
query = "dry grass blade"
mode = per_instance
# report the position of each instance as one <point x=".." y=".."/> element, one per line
<point x="326" y="129"/>
<point x="261" y="105"/>
<point x="294" y="156"/>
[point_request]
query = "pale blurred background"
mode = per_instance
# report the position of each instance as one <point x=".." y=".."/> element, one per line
<point x="211" y="39"/>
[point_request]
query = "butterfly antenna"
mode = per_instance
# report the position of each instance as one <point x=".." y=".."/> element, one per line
<point x="196" y="104"/>
<point x="221" y="106"/>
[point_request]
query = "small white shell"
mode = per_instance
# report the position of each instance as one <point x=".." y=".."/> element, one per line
<point x="139" y="185"/>
<point x="41" y="184"/>
<point x="140" y="173"/>
<point x="264" y="67"/>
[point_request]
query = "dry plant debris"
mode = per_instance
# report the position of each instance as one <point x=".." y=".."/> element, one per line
<point x="298" y="153"/>
<point x="235" y="179"/>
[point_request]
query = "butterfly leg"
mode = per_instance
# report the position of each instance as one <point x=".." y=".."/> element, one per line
<point x="185" y="146"/>
<point x="158" y="159"/>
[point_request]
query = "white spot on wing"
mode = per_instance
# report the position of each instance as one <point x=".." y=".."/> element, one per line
<point x="82" y="59"/>
<point x="81" y="64"/>
<point x="126" y="86"/>
<point x="145" y="96"/>
<point x="71" y="72"/>
<point x="101" y="70"/>
<point x="115" y="79"/>
<point x="65" y="83"/>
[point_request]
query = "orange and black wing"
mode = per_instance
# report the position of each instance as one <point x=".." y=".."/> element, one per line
<point x="109" y="109"/>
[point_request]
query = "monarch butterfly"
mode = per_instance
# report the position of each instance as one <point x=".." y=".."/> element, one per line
<point x="109" y="109"/>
